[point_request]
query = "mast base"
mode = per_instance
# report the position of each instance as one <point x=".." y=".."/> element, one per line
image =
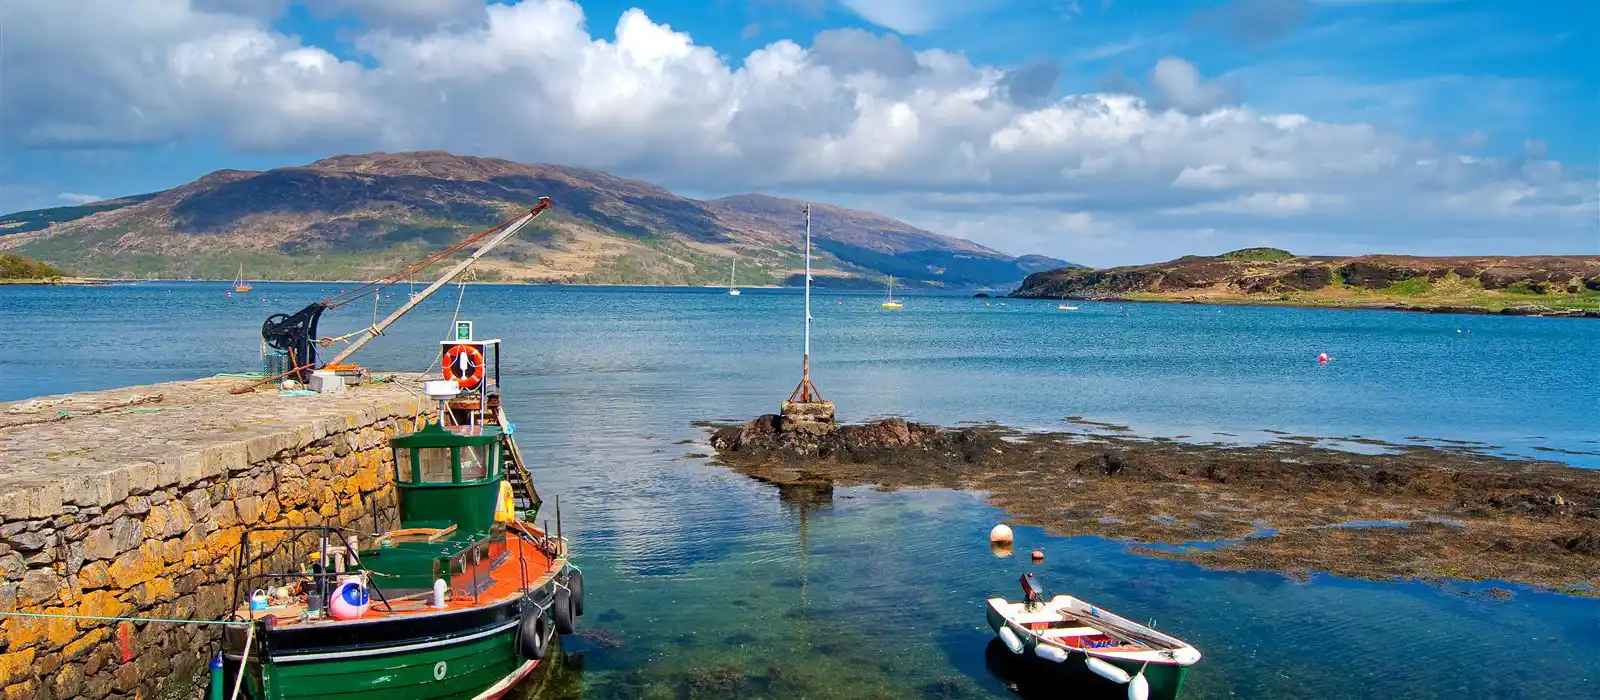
<point x="811" y="417"/>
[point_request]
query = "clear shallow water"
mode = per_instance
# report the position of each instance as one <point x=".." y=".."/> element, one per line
<point x="693" y="570"/>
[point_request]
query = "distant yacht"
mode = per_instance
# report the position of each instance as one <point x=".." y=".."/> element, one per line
<point x="239" y="285"/>
<point x="891" y="303"/>
<point x="733" y="291"/>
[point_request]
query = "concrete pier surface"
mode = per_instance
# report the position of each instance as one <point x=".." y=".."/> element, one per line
<point x="129" y="503"/>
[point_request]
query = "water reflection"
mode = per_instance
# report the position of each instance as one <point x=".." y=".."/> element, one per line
<point x="1031" y="677"/>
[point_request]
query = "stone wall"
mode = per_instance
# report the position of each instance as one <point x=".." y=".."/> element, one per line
<point x="130" y="503"/>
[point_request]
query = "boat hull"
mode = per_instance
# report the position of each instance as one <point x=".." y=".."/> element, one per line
<point x="1166" y="680"/>
<point x="472" y="654"/>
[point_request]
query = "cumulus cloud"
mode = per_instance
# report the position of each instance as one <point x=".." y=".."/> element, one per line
<point x="855" y="117"/>
<point x="1030" y="84"/>
<point x="1178" y="83"/>
<point x="401" y="14"/>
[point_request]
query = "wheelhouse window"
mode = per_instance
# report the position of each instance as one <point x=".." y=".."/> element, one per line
<point x="402" y="464"/>
<point x="475" y="462"/>
<point x="434" y="465"/>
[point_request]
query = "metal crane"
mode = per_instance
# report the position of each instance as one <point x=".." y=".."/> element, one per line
<point x="296" y="333"/>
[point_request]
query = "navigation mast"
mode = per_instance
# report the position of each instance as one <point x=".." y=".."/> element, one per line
<point x="806" y="409"/>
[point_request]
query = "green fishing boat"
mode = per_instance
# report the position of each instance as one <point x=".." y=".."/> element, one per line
<point x="1091" y="643"/>
<point x="461" y="599"/>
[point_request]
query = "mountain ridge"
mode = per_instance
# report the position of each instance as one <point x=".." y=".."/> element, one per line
<point x="360" y="215"/>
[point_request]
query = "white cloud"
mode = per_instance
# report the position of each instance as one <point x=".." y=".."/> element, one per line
<point x="403" y="14"/>
<point x="77" y="198"/>
<point x="1178" y="83"/>
<point x="856" y="118"/>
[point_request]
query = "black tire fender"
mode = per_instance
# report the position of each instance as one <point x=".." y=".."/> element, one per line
<point x="532" y="633"/>
<point x="562" y="610"/>
<point x="575" y="584"/>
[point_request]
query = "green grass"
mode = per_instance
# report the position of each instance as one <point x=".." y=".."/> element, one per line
<point x="1258" y="255"/>
<point x="1408" y="288"/>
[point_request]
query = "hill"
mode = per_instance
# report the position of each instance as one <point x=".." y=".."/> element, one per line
<point x="1564" y="284"/>
<point x="358" y="216"/>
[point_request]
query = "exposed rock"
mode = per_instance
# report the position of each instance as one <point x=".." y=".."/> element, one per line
<point x="1374" y="274"/>
<point x="1465" y="513"/>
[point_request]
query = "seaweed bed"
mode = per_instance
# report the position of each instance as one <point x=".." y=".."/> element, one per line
<point x="1413" y="512"/>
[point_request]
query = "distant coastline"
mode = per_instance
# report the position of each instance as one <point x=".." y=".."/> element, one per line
<point x="1515" y="310"/>
<point x="56" y="282"/>
<point x="1548" y="285"/>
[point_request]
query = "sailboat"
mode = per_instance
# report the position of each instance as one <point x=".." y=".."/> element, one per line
<point x="239" y="285"/>
<point x="891" y="303"/>
<point x="732" y="291"/>
<point x="1063" y="306"/>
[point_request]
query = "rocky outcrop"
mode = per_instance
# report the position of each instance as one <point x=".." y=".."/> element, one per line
<point x="886" y="439"/>
<point x="1286" y="505"/>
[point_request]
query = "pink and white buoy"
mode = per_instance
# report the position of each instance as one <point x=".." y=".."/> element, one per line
<point x="349" y="601"/>
<point x="1323" y="358"/>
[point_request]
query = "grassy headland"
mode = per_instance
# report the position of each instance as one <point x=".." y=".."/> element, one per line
<point x="1544" y="285"/>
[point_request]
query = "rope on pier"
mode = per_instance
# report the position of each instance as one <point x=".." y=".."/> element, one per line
<point x="226" y="623"/>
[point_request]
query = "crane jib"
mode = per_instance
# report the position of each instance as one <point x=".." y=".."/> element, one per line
<point x="296" y="333"/>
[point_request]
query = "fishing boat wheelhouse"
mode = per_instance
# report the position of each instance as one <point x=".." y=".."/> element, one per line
<point x="459" y="600"/>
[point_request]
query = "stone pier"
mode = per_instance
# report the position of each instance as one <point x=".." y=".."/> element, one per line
<point x="130" y="503"/>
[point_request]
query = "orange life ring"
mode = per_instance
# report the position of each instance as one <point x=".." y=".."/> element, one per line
<point x="464" y="364"/>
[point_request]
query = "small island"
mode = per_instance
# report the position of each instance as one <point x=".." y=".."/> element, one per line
<point x="19" y="270"/>
<point x="1547" y="285"/>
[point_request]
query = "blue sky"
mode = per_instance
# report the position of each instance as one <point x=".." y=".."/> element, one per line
<point x="1103" y="131"/>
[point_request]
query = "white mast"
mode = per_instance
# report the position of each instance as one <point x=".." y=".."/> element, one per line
<point x="806" y="392"/>
<point x="807" y="357"/>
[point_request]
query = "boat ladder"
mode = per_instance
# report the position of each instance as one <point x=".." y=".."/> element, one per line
<point x="522" y="490"/>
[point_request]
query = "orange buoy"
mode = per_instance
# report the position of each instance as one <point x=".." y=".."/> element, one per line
<point x="1038" y="555"/>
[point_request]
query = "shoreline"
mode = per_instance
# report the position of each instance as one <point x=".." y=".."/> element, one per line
<point x="1290" y="506"/>
<point x="62" y="282"/>
<point x="1535" y="310"/>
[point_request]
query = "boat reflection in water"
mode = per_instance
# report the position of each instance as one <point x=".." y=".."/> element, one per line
<point x="559" y="677"/>
<point x="1031" y="677"/>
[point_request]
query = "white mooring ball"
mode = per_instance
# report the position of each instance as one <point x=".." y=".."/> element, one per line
<point x="1001" y="534"/>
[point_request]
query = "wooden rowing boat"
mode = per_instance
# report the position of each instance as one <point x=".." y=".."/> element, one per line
<point x="1084" y="637"/>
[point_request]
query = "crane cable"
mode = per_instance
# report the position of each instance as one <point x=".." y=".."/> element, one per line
<point x="396" y="277"/>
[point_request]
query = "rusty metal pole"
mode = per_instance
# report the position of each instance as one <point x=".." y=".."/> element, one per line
<point x="805" y="358"/>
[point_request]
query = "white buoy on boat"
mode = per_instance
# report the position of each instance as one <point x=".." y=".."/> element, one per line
<point x="1050" y="653"/>
<point x="1011" y="640"/>
<point x="1139" y="688"/>
<point x="1000" y="534"/>
<point x="1107" y="670"/>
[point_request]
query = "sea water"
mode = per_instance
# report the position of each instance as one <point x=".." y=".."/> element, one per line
<point x="702" y="583"/>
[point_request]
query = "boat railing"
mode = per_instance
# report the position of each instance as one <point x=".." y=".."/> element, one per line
<point x="325" y="579"/>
